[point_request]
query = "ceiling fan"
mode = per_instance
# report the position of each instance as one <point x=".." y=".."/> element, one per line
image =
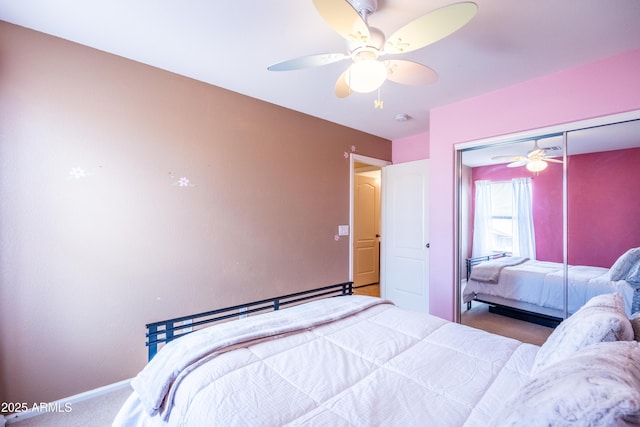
<point x="535" y="160"/>
<point x="365" y="44"/>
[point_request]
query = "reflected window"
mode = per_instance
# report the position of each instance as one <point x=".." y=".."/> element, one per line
<point x="501" y="217"/>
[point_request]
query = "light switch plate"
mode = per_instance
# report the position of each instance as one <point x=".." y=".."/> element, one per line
<point x="343" y="230"/>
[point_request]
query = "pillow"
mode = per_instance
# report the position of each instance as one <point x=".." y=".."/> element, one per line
<point x="635" y="324"/>
<point x="627" y="267"/>
<point x="633" y="275"/>
<point x="602" y="318"/>
<point x="597" y="386"/>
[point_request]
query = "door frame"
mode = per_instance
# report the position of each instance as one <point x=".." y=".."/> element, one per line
<point x="372" y="161"/>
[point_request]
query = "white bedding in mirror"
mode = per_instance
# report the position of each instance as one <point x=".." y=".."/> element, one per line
<point x="541" y="283"/>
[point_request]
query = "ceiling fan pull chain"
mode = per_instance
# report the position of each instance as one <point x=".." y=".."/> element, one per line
<point x="378" y="102"/>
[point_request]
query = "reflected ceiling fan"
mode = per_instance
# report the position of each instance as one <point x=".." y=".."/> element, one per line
<point x="365" y="45"/>
<point x="535" y="160"/>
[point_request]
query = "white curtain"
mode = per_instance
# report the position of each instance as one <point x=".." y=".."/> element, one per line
<point x="524" y="241"/>
<point x="482" y="238"/>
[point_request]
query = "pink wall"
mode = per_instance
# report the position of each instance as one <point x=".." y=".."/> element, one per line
<point x="414" y="147"/>
<point x="547" y="204"/>
<point x="597" y="89"/>
<point x="604" y="210"/>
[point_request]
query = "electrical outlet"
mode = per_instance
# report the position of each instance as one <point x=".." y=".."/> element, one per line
<point x="343" y="230"/>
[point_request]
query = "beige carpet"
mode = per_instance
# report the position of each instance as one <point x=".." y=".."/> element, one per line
<point x="96" y="412"/>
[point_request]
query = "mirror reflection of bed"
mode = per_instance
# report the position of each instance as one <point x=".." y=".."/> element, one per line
<point x="537" y="244"/>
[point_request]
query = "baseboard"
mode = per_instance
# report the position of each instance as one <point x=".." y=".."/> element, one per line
<point x="90" y="394"/>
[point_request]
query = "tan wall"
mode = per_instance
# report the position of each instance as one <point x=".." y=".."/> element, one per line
<point x="85" y="263"/>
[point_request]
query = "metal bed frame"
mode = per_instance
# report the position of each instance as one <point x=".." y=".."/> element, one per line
<point x="164" y="331"/>
<point x="477" y="260"/>
<point x="521" y="311"/>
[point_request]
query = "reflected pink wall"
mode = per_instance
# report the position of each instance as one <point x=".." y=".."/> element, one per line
<point x="604" y="210"/>
<point x="597" y="89"/>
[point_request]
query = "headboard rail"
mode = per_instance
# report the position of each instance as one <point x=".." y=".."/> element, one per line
<point x="470" y="262"/>
<point x="164" y="331"/>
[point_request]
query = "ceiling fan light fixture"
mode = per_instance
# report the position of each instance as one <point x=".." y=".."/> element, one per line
<point x="366" y="75"/>
<point x="536" y="165"/>
<point x="349" y="18"/>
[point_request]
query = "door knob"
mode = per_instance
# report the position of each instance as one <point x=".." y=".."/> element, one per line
<point x="428" y="245"/>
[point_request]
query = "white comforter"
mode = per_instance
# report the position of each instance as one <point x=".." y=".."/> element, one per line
<point x="352" y="361"/>
<point x="541" y="283"/>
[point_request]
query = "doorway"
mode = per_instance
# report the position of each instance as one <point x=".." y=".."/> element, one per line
<point x="365" y="223"/>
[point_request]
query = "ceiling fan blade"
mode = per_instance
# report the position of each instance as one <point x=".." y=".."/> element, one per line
<point x="431" y="27"/>
<point x="546" y="159"/>
<point x="342" y="88"/>
<point x="509" y="158"/>
<point x="410" y="73"/>
<point x="518" y="163"/>
<point x="343" y="18"/>
<point x="307" y="62"/>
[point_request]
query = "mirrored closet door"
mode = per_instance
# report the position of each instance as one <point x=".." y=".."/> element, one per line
<point x="542" y="220"/>
<point x="603" y="211"/>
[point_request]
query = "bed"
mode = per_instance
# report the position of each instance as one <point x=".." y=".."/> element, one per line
<point x="362" y="361"/>
<point x="537" y="287"/>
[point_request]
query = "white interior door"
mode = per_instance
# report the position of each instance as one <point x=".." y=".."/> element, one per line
<point x="366" y="231"/>
<point x="405" y="247"/>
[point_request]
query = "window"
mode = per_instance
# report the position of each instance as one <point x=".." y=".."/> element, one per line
<point x="501" y="217"/>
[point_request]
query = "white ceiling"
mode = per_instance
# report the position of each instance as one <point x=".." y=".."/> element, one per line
<point x="230" y="44"/>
